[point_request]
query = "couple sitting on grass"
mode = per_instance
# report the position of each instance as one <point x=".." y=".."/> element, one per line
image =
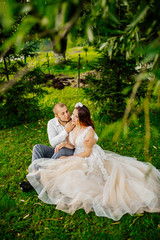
<point x="75" y="173"/>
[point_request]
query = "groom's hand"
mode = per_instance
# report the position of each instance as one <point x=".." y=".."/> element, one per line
<point x="90" y="142"/>
<point x="69" y="127"/>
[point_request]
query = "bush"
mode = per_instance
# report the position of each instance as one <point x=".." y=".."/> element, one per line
<point x="19" y="104"/>
<point x="112" y="85"/>
<point x="12" y="68"/>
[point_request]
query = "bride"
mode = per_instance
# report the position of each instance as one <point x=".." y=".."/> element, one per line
<point x="92" y="179"/>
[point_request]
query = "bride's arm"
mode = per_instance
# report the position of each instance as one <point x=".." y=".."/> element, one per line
<point x="91" y="141"/>
<point x="88" y="147"/>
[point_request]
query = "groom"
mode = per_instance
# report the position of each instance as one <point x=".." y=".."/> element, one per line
<point x="58" y="129"/>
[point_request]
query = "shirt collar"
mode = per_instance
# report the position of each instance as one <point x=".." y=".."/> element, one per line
<point x="58" y="123"/>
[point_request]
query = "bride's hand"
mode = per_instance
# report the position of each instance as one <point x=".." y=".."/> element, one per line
<point x="59" y="146"/>
<point x="62" y="157"/>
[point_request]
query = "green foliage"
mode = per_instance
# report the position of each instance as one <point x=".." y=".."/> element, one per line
<point x="12" y="68"/>
<point x="133" y="32"/>
<point x="23" y="215"/>
<point x="112" y="85"/>
<point x="8" y="29"/>
<point x="19" y="104"/>
<point x="131" y="29"/>
<point x="66" y="66"/>
<point x="51" y="19"/>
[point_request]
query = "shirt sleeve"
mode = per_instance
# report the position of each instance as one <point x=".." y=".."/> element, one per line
<point x="53" y="135"/>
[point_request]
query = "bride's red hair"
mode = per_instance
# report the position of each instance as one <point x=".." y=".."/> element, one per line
<point x="85" y="117"/>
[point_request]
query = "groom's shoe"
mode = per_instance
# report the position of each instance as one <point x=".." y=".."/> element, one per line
<point x="26" y="186"/>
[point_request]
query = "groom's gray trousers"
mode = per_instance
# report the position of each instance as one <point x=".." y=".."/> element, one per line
<point x="43" y="151"/>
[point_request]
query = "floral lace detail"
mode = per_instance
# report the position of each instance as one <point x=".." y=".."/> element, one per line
<point x="100" y="157"/>
<point x="94" y="159"/>
<point x="79" y="141"/>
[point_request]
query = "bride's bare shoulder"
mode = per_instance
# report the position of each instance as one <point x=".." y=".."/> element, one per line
<point x="90" y="133"/>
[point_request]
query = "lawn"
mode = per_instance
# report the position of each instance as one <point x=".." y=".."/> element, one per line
<point x="46" y="61"/>
<point x="24" y="216"/>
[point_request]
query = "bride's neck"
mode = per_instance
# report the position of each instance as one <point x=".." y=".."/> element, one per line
<point x="79" y="127"/>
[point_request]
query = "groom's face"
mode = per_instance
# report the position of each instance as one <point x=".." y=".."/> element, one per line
<point x="63" y="114"/>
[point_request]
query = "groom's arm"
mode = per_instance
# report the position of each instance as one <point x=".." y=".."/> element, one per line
<point x="54" y="136"/>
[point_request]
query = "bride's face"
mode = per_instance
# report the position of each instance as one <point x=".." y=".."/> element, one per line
<point x="75" y="118"/>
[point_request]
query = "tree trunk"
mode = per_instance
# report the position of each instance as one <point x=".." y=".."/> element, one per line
<point x="59" y="49"/>
<point x="6" y="69"/>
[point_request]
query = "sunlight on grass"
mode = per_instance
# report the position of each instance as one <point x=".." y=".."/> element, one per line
<point x="72" y="54"/>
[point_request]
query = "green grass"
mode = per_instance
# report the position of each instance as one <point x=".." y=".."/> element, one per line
<point x="69" y="68"/>
<point x="24" y="216"/>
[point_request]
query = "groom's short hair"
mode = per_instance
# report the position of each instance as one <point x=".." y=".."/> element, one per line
<point x="56" y="106"/>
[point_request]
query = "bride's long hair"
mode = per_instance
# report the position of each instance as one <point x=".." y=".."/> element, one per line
<point x="84" y="116"/>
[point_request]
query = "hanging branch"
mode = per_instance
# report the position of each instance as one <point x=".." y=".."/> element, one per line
<point x="147" y="120"/>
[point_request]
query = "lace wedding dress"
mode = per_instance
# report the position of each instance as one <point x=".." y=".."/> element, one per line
<point x="106" y="183"/>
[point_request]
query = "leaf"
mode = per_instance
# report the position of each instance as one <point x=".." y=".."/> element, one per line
<point x="7" y="19"/>
<point x="115" y="223"/>
<point x="157" y="88"/>
<point x="53" y="219"/>
<point x="26" y="216"/>
<point x="114" y="17"/>
<point x="37" y="204"/>
<point x="104" y="45"/>
<point x="90" y="33"/>
<point x="116" y="126"/>
<point x="26" y="8"/>
<point x="140" y="15"/>
<point x="126" y="90"/>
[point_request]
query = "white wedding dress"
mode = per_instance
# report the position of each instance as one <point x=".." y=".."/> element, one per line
<point x="106" y="183"/>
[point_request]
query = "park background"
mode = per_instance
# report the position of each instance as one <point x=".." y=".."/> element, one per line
<point x="104" y="54"/>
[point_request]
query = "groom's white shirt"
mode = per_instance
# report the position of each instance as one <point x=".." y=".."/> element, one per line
<point x="56" y="132"/>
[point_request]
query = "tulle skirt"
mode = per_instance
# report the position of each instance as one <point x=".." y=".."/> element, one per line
<point x="131" y="186"/>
